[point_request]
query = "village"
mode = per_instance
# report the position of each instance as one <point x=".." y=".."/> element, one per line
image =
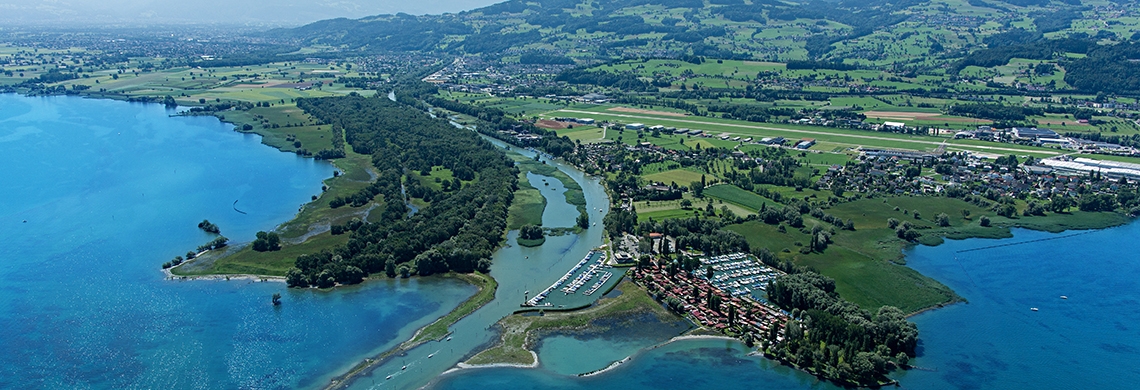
<point x="706" y="296"/>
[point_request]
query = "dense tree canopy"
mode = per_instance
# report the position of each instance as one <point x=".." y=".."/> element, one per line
<point x="835" y="337"/>
<point x="457" y="231"/>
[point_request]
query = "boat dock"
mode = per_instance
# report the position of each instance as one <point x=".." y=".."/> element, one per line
<point x="594" y="264"/>
<point x="739" y="274"/>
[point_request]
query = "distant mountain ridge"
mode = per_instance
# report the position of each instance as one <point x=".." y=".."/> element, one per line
<point x="905" y="33"/>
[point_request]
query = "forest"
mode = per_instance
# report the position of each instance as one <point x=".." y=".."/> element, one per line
<point x="834" y="337"/>
<point x="490" y="119"/>
<point x="459" y="228"/>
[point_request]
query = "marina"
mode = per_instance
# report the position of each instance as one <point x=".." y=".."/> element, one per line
<point x="739" y="274"/>
<point x="592" y="267"/>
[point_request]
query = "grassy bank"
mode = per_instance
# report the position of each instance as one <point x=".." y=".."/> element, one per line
<point x="311" y="223"/>
<point x="438" y="329"/>
<point x="574" y="194"/>
<point x="246" y="261"/>
<point x="867" y="263"/>
<point x="531" y="243"/>
<point x="519" y="331"/>
<point x="285" y="127"/>
<point x="528" y="205"/>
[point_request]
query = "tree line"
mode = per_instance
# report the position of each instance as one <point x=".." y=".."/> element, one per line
<point x="835" y="338"/>
<point x="457" y="231"/>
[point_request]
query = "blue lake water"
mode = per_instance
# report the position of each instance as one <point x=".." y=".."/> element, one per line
<point x="1090" y="340"/>
<point x="109" y="191"/>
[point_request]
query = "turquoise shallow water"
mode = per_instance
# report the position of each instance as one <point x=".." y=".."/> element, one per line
<point x="1090" y="340"/>
<point x="110" y="190"/>
<point x="686" y="364"/>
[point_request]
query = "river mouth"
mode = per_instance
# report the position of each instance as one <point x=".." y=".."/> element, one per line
<point x="517" y="269"/>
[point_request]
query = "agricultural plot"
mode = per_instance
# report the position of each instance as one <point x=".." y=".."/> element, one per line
<point x="680" y="176"/>
<point x="277" y="83"/>
<point x="851" y="138"/>
<point x="738" y="196"/>
<point x="586" y="134"/>
<point x="670" y="209"/>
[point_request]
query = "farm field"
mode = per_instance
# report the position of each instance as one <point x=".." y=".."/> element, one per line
<point x="681" y="177"/>
<point x="738" y="196"/>
<point x="852" y="138"/>
<point x="276" y="83"/>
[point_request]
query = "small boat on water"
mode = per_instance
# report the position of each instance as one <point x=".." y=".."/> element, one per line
<point x="403" y="368"/>
<point x="448" y="338"/>
<point x="389" y="377"/>
<point x="1033" y="308"/>
<point x="430" y="355"/>
<point x="1064" y="297"/>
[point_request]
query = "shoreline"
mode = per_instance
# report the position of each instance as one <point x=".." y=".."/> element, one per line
<point x="466" y="366"/>
<point x="368" y="364"/>
<point x="1013" y="224"/>
<point x="618" y="363"/>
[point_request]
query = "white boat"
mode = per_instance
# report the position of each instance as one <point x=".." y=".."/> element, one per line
<point x="389" y="377"/>
<point x="1033" y="308"/>
<point x="448" y="338"/>
<point x="430" y="355"/>
<point x="1064" y="297"/>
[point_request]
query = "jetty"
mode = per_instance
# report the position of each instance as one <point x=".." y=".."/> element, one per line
<point x="594" y="264"/>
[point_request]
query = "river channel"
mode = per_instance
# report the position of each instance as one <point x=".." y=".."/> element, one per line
<point x="517" y="269"/>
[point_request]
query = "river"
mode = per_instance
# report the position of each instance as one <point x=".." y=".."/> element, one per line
<point x="518" y="270"/>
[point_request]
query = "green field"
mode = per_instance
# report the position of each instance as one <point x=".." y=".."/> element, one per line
<point x="852" y="138"/>
<point x="736" y="195"/>
<point x="682" y="177"/>
<point x="527" y="207"/>
<point x="246" y="261"/>
<point x="585" y="134"/>
<point x="291" y="123"/>
<point x="278" y="83"/>
<point x="866" y="281"/>
<point x="863" y="262"/>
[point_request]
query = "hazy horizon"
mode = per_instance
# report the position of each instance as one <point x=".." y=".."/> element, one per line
<point x="148" y="12"/>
